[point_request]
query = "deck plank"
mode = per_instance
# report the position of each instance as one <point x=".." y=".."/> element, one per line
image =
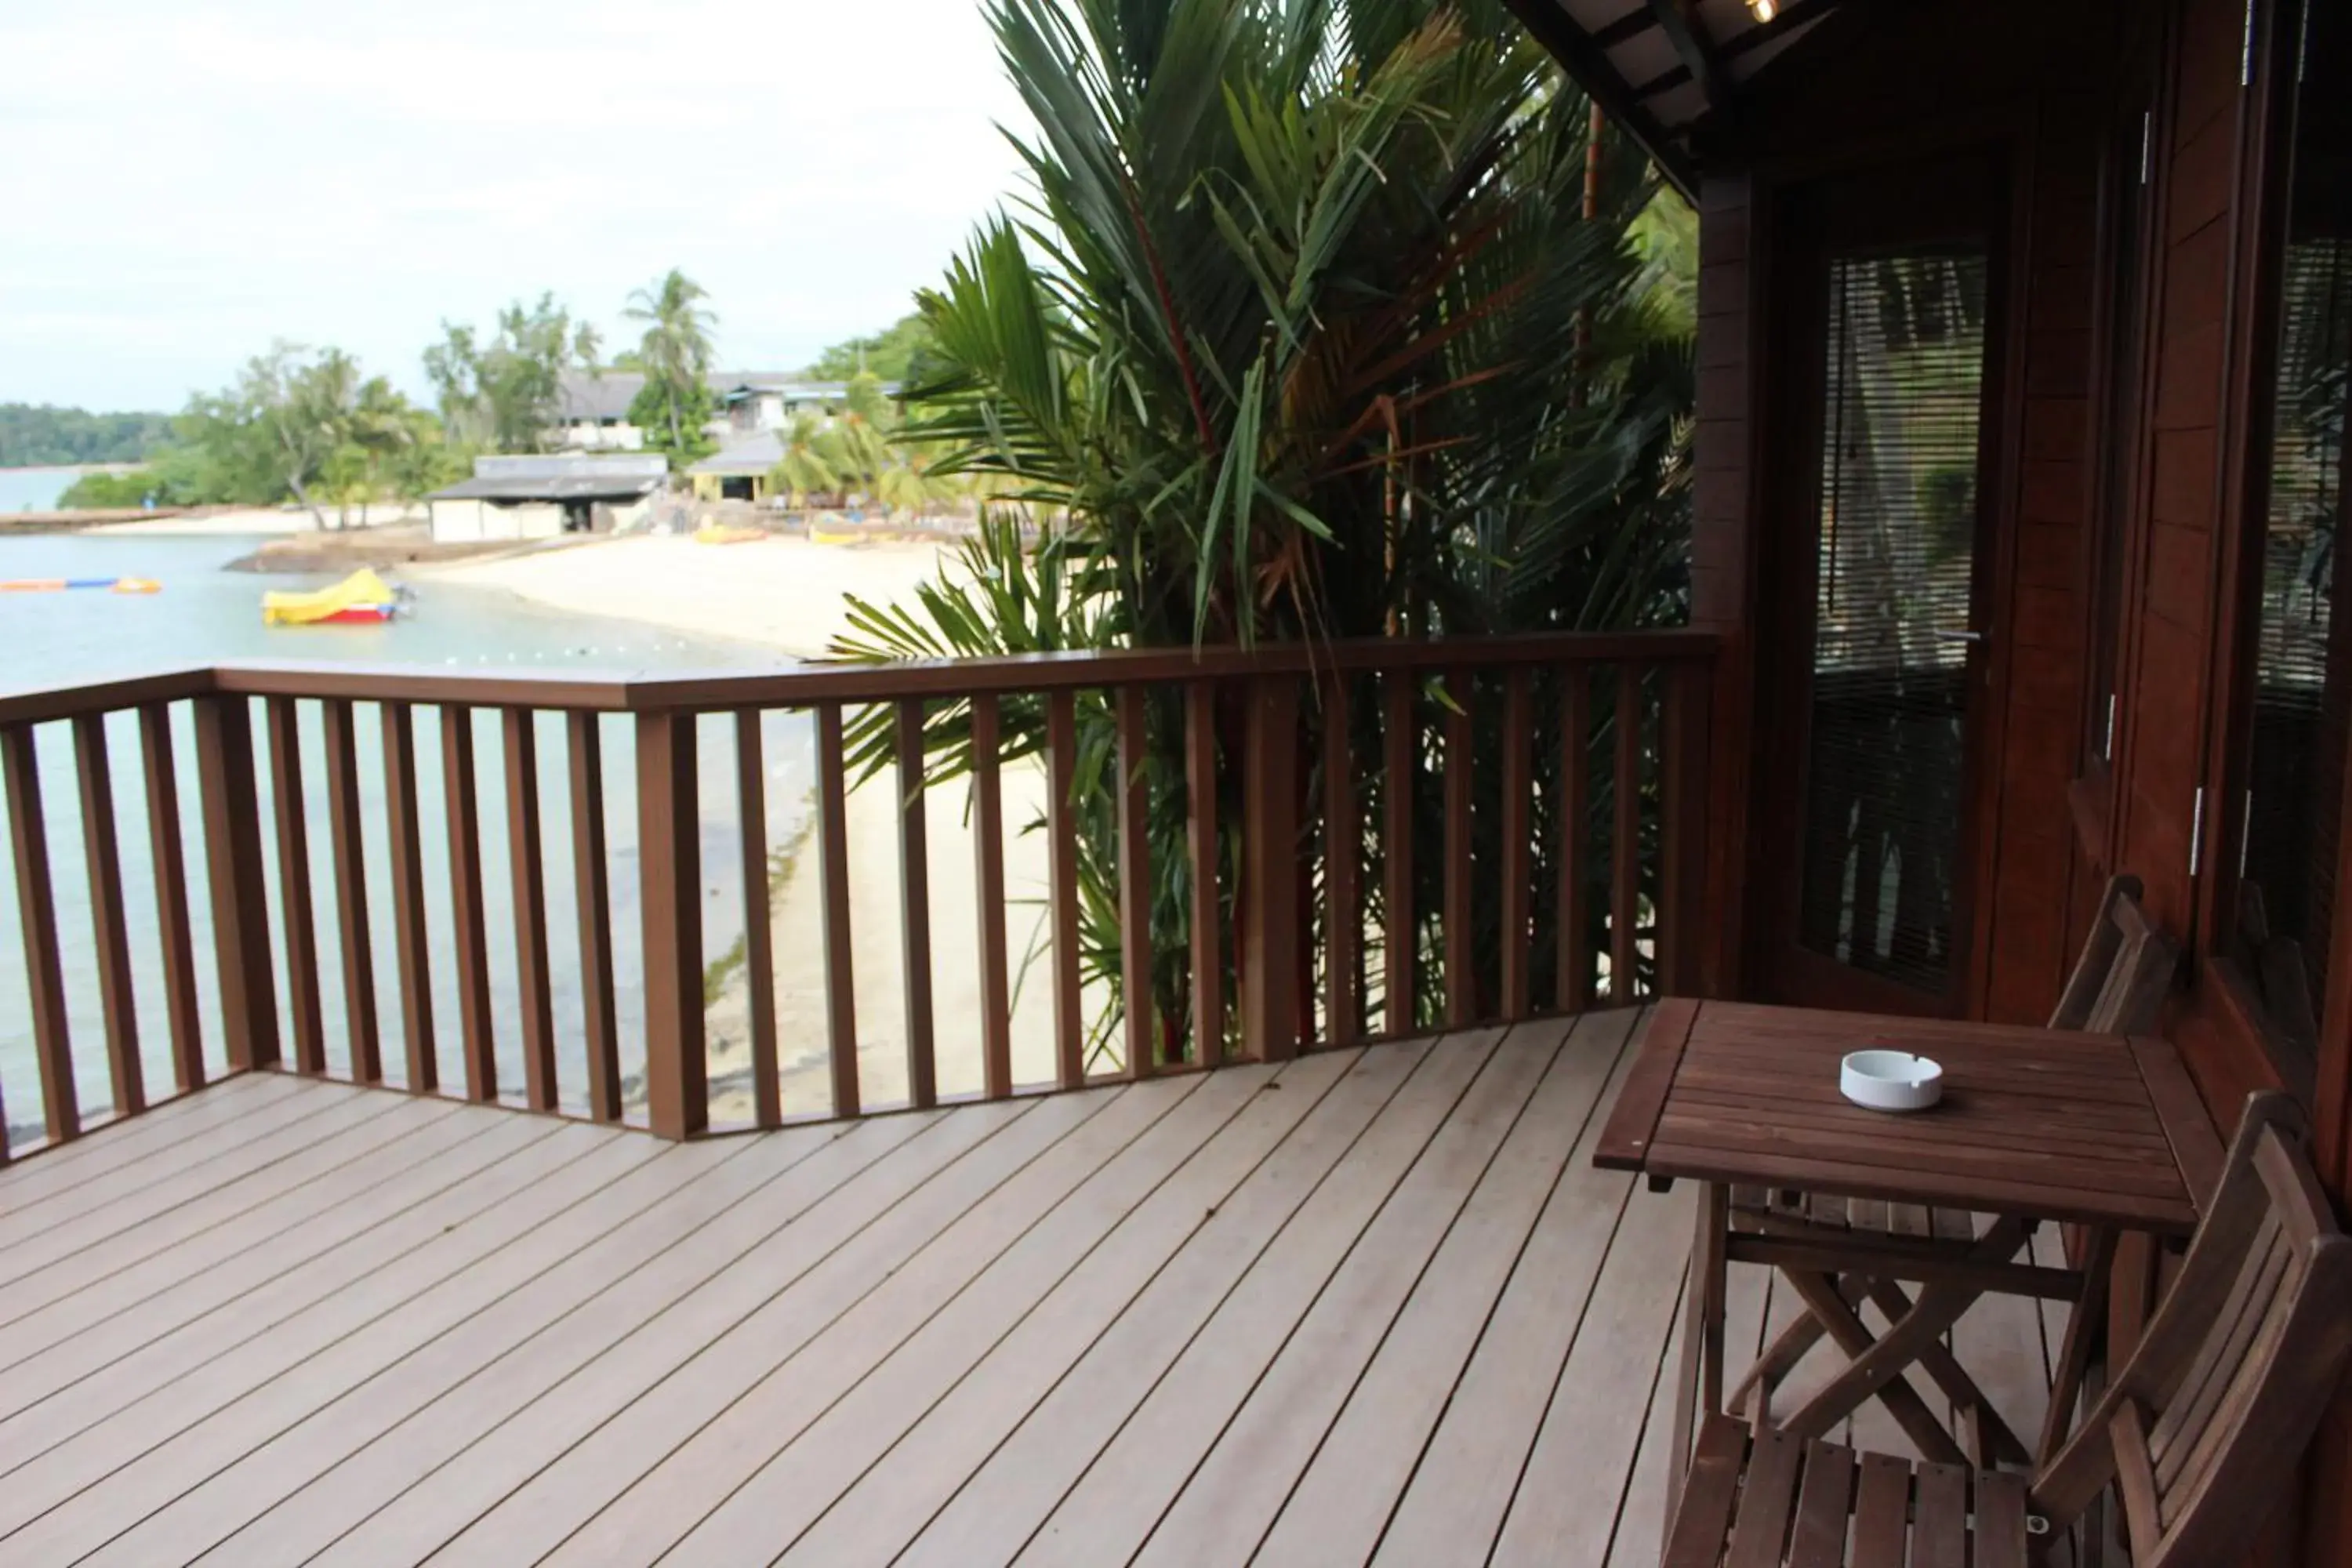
<point x="779" y="1413"/>
<point x="895" y="1275"/>
<point x="798" y="1173"/>
<point x="495" y="1433"/>
<point x="1231" y="1499"/>
<point x="1456" y="1499"/>
<point x="1372" y="1304"/>
<point x="1004" y="1463"/>
<point x="1110" y="1512"/>
<point x="1372" y="1450"/>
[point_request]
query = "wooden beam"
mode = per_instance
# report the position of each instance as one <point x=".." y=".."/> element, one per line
<point x="1679" y="20"/>
<point x="1549" y="25"/>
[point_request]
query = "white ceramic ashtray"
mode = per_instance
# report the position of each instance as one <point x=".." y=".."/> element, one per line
<point x="1891" y="1081"/>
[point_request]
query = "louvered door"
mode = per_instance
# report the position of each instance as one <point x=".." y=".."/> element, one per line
<point x="1881" y="636"/>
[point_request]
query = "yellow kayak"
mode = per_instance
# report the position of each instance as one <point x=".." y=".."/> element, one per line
<point x="360" y="599"/>
<point x="713" y="533"/>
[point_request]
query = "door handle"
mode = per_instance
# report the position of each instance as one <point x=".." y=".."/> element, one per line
<point x="1958" y="636"/>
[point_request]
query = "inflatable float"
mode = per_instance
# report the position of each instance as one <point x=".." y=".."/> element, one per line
<point x="360" y="599"/>
<point x="714" y="533"/>
<point x="65" y="585"/>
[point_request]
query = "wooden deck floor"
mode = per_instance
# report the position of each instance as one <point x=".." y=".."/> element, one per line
<point x="1374" y="1305"/>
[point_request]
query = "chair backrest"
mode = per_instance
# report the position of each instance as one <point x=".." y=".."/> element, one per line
<point x="2119" y="983"/>
<point x="2205" y="1422"/>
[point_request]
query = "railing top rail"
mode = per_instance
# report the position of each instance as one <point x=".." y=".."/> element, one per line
<point x="798" y="685"/>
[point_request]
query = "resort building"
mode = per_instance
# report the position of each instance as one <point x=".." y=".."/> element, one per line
<point x="536" y="497"/>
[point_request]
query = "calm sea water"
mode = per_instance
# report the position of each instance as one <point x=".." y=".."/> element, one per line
<point x="34" y="489"/>
<point x="205" y="614"/>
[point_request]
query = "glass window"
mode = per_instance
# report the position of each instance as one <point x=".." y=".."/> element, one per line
<point x="2295" y="767"/>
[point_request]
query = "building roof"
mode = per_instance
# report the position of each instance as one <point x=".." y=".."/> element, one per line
<point x="752" y="455"/>
<point x="564" y="476"/>
<point x="1670" y="71"/>
<point x="583" y="398"/>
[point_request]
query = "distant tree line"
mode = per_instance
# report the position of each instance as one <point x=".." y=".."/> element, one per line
<point x="38" y="436"/>
<point x="308" y="425"/>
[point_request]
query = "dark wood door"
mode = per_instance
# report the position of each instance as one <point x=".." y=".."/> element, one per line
<point x="1880" y="480"/>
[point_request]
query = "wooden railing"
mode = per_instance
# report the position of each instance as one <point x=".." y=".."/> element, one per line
<point x="1395" y="837"/>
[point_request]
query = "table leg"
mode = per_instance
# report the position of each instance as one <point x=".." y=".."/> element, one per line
<point x="1701" y="1382"/>
<point x="1853" y="1337"/>
<point x="2082" y="1327"/>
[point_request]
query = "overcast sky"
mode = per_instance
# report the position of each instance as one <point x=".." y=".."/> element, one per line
<point x="180" y="183"/>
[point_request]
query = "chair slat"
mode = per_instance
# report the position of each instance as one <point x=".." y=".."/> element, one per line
<point x="1817" y="1537"/>
<point x="915" y="911"/>
<point x="988" y="845"/>
<point x="297" y="919"/>
<point x="2187" y="1405"/>
<point x="1709" y="1494"/>
<point x="180" y="1004"/>
<point x="108" y="920"/>
<point x="534" y="1002"/>
<point x="354" y="937"/>
<point x="1062" y="869"/>
<point x="1881" y="1511"/>
<point x="1767" y="1497"/>
<point x="1939" y="1520"/>
<point x="2001" y="1535"/>
<point x="37" y="912"/>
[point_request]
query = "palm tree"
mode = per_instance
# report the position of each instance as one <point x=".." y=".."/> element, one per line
<point x="675" y="349"/>
<point x="811" y="463"/>
<point x="1304" y="332"/>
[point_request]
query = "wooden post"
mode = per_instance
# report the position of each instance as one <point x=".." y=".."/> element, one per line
<point x="1343" y="875"/>
<point x="1682" y="878"/>
<point x="1135" y="885"/>
<point x="411" y="931"/>
<point x="759" y="940"/>
<point x="523" y="856"/>
<point x="296" y="916"/>
<point x="669" y="860"/>
<point x="225" y="778"/>
<point x="1269" y="905"/>
<point x="592" y="887"/>
<point x="178" y="942"/>
<point x="1062" y="858"/>
<point x="472" y="932"/>
<point x="1518" y="722"/>
<point x="1401" y="758"/>
<point x="1202" y="834"/>
<point x="988" y="879"/>
<point x="1572" y="978"/>
<point x="832" y="868"/>
<point x="915" y="913"/>
<point x="1625" y="852"/>
<point x="1461" y="921"/>
<point x="351" y="891"/>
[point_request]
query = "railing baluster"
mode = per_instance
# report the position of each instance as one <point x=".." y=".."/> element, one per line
<point x="295" y="911"/>
<point x="1518" y="719"/>
<point x="181" y="1007"/>
<point x="1400" y="748"/>
<point x="1574" y="979"/>
<point x="1135" y="883"/>
<point x="915" y="911"/>
<point x="37" y="907"/>
<point x="1202" y="832"/>
<point x="411" y="932"/>
<point x="111" y="929"/>
<point x="832" y="855"/>
<point x="523" y="865"/>
<point x="225" y="779"/>
<point x="988" y="850"/>
<point x="591" y="887"/>
<point x="759" y="940"/>
<point x="1269" y="895"/>
<point x="471" y="936"/>
<point x="1062" y="856"/>
<point x="1625" y="854"/>
<point x="669" y="866"/>
<point x="1461" y="964"/>
<point x="1682" y="881"/>
<point x="351" y="890"/>
<point x="1343" y="875"/>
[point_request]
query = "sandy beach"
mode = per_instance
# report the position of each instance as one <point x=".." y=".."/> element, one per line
<point x="784" y="594"/>
<point x="788" y="594"/>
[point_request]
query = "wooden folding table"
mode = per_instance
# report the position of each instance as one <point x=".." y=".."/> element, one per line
<point x="2034" y="1125"/>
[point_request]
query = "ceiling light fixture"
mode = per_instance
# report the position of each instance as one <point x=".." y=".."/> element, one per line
<point x="1763" y="10"/>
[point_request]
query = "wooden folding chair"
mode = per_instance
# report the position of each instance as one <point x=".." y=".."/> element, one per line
<point x="2118" y="988"/>
<point x="2198" y="1432"/>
